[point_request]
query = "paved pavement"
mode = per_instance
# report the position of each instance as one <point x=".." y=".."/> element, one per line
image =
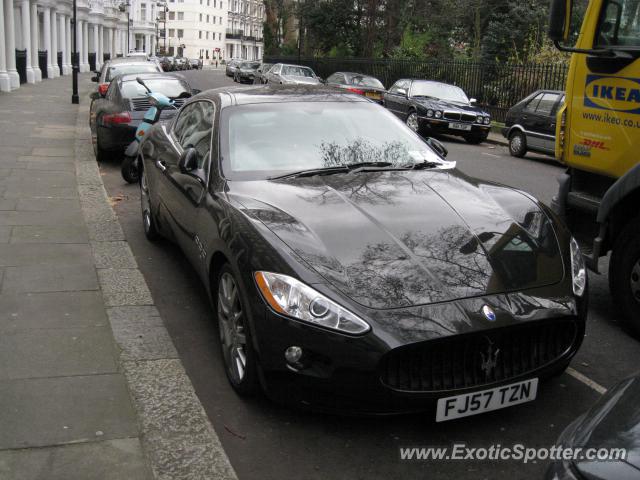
<point x="267" y="441"/>
<point x="91" y="386"/>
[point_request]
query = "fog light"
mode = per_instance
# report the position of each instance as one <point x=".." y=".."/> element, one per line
<point x="293" y="354"/>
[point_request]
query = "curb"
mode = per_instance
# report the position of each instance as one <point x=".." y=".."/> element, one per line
<point x="177" y="437"/>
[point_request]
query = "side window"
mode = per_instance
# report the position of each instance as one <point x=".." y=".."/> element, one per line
<point x="533" y="103"/>
<point x="197" y="130"/>
<point x="276" y="69"/>
<point x="111" y="91"/>
<point x="333" y="78"/>
<point x="397" y="86"/>
<point x="546" y="104"/>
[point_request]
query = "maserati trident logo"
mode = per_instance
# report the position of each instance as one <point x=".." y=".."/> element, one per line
<point x="489" y="359"/>
<point x="488" y="313"/>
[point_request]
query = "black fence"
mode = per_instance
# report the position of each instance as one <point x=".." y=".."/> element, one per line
<point x="495" y="86"/>
<point x="21" y="65"/>
<point x="60" y="62"/>
<point x="92" y="62"/>
<point x="42" y="63"/>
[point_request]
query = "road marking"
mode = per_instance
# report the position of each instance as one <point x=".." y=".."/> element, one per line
<point x="491" y="154"/>
<point x="587" y="381"/>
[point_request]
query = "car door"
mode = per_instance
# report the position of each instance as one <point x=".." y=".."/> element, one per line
<point x="274" y="74"/>
<point x="396" y="97"/>
<point x="528" y="119"/>
<point x="185" y="190"/>
<point x="540" y="125"/>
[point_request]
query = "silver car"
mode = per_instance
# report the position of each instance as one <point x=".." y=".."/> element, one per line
<point x="285" y="74"/>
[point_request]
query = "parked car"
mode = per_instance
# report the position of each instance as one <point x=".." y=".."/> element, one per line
<point x="612" y="423"/>
<point x="180" y="63"/>
<point x="114" y="118"/>
<point x="196" y="63"/>
<point x="284" y="74"/>
<point x="530" y="124"/>
<point x="370" y="275"/>
<point x="167" y="63"/>
<point x="122" y="66"/>
<point x="245" y="72"/>
<point x="186" y="65"/>
<point x="434" y="108"/>
<point x="232" y="64"/>
<point x="138" y="55"/>
<point x="358" y="83"/>
<point x="258" y="77"/>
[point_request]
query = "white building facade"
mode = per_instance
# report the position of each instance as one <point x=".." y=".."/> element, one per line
<point x="195" y="29"/>
<point x="36" y="36"/>
<point x="244" y="29"/>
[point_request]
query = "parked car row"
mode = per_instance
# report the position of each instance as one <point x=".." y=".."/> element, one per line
<point x="172" y="64"/>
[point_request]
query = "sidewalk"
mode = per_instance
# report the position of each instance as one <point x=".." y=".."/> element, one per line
<point x="91" y="386"/>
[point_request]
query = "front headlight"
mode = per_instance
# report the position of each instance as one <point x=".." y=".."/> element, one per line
<point x="429" y="113"/>
<point x="290" y="297"/>
<point x="487" y="120"/>
<point x="438" y="114"/>
<point x="479" y="119"/>
<point x="578" y="269"/>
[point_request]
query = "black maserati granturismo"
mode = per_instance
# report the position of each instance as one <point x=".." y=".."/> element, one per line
<point x="352" y="267"/>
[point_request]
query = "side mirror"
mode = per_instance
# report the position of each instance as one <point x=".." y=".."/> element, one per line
<point x="195" y="91"/>
<point x="95" y="78"/>
<point x="559" y="16"/>
<point x="438" y="147"/>
<point x="473" y="101"/>
<point x="188" y="160"/>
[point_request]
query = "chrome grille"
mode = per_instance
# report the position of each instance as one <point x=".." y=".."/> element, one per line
<point x="458" y="362"/>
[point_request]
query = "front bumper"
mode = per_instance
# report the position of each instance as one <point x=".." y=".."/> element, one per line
<point x="343" y="374"/>
<point x="440" y="126"/>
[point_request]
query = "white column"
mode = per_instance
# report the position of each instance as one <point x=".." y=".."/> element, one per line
<point x="64" y="46"/>
<point x="153" y="45"/>
<point x="100" y="45"/>
<point x="47" y="40"/>
<point x="5" y="82"/>
<point x="96" y="43"/>
<point x="54" y="43"/>
<point x="78" y="30"/>
<point x="111" y="51"/>
<point x="35" y="66"/>
<point x="67" y="32"/>
<point x="25" y="11"/>
<point x="147" y="43"/>
<point x="10" y="43"/>
<point x="85" y="45"/>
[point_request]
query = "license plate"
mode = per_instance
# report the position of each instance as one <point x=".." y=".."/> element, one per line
<point x="486" y="400"/>
<point x="375" y="96"/>
<point x="459" y="126"/>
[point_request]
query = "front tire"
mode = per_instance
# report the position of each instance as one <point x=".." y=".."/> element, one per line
<point x="149" y="222"/>
<point x="129" y="170"/>
<point x="413" y="122"/>
<point x="624" y="275"/>
<point x="235" y="335"/>
<point x="517" y="144"/>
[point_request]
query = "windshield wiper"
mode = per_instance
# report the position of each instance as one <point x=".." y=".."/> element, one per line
<point x="311" y="172"/>
<point x="356" y="168"/>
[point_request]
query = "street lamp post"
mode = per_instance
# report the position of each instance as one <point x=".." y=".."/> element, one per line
<point x="75" y="98"/>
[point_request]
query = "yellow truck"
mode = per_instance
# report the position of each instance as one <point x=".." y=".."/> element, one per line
<point x="598" y="138"/>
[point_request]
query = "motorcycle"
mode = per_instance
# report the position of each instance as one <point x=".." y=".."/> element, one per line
<point x="130" y="171"/>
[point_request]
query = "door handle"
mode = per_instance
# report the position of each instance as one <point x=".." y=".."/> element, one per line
<point x="161" y="165"/>
<point x="524" y="117"/>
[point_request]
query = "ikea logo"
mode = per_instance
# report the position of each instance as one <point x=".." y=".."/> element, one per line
<point x="616" y="94"/>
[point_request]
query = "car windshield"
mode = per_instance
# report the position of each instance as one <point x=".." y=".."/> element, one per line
<point x="170" y="87"/>
<point x="439" y="90"/>
<point x="264" y="140"/>
<point x="367" y="82"/>
<point x="250" y="65"/>
<point x="127" y="68"/>
<point x="295" y="71"/>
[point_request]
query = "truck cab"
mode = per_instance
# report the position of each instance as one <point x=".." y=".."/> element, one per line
<point x="598" y="138"/>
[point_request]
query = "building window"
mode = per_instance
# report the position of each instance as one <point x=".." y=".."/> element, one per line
<point x="180" y="33"/>
<point x="180" y="15"/>
<point x="172" y="32"/>
<point x="200" y="17"/>
<point x="143" y="12"/>
<point x="219" y="36"/>
<point x="207" y="18"/>
<point x="208" y="4"/>
<point x="200" y="34"/>
<point x="221" y="5"/>
<point x="172" y="15"/>
<point x="207" y="35"/>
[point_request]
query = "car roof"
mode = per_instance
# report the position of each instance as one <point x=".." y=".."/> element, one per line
<point x="152" y="75"/>
<point x="246" y="95"/>
<point x="128" y="60"/>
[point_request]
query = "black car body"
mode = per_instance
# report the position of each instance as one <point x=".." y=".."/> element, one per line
<point x="231" y="67"/>
<point x="245" y="72"/>
<point x="261" y="71"/>
<point x="167" y="64"/>
<point x="196" y="63"/>
<point x="530" y="124"/>
<point x="612" y="423"/>
<point x="420" y="253"/>
<point x="114" y="118"/>
<point x="435" y="108"/>
<point x="358" y="83"/>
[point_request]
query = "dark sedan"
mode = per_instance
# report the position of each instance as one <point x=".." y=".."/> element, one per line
<point x="261" y="71"/>
<point x="231" y="67"/>
<point x="245" y="72"/>
<point x="358" y="83"/>
<point x="434" y="108"/>
<point x="609" y="433"/>
<point x="350" y="266"/>
<point x="114" y="118"/>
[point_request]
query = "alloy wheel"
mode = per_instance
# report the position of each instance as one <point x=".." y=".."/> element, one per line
<point x="634" y="281"/>
<point x="232" y="328"/>
<point x="145" y="206"/>
<point x="412" y="121"/>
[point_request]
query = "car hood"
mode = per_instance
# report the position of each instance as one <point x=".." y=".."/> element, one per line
<point x="436" y="104"/>
<point x="301" y="80"/>
<point x="614" y="422"/>
<point x="400" y="238"/>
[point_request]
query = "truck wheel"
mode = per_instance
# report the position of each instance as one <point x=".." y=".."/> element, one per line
<point x="517" y="144"/>
<point x="624" y="275"/>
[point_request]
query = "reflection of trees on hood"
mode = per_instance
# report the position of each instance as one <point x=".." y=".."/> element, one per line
<point x="360" y="150"/>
